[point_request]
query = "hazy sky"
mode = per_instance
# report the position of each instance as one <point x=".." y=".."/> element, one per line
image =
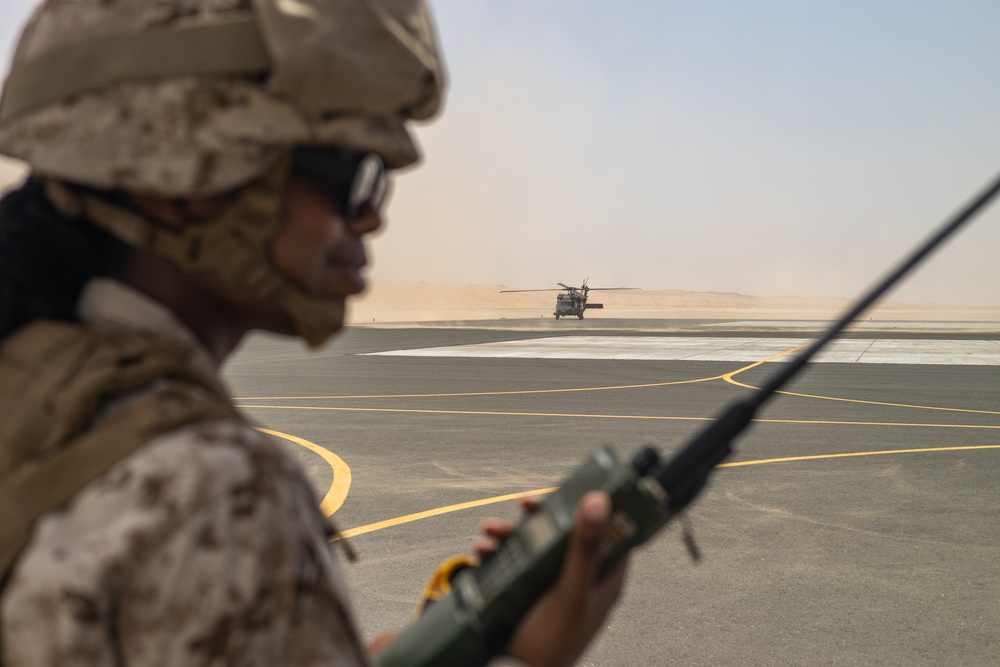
<point x="763" y="147"/>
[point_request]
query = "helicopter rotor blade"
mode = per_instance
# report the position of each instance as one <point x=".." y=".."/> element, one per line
<point x="531" y="290"/>
<point x="583" y="288"/>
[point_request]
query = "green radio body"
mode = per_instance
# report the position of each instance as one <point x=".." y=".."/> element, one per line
<point x="474" y="623"/>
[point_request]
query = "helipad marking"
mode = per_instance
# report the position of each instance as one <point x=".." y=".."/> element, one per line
<point x="408" y="518"/>
<point x="691" y="348"/>
<point x="859" y="325"/>
<point x="729" y="379"/>
<point x="341" y="484"/>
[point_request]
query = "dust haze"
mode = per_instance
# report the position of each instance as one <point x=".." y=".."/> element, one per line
<point x="767" y="149"/>
<point x="388" y="303"/>
<point x="760" y="148"/>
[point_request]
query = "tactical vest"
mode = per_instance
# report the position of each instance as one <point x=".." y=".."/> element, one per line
<point x="56" y="379"/>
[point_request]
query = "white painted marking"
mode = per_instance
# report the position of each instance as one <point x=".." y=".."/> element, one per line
<point x="877" y="325"/>
<point x="694" y="348"/>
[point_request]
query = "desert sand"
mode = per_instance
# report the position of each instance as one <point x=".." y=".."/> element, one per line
<point x="393" y="302"/>
<point x="425" y="302"/>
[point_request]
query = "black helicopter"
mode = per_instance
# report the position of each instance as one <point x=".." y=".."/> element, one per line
<point x="573" y="300"/>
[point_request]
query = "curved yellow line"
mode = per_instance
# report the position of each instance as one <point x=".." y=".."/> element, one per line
<point x="882" y="403"/>
<point x="728" y="377"/>
<point x="388" y="523"/>
<point x="409" y="518"/>
<point x="843" y="455"/>
<point x="337" y="494"/>
<point x="341" y="484"/>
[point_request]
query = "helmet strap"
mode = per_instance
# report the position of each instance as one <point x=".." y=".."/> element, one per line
<point x="231" y="244"/>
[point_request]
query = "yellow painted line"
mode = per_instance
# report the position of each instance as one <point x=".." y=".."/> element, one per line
<point x="409" y="518"/>
<point x="341" y="484"/>
<point x="519" y="392"/>
<point x="388" y="523"/>
<point x="728" y="377"/>
<point x="824" y="422"/>
<point x="730" y="380"/>
<point x="884" y="452"/>
<point x="468" y="412"/>
<point x="882" y="403"/>
<point x="570" y="415"/>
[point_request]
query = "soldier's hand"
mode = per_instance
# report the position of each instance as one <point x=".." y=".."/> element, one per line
<point x="558" y="628"/>
<point x="495" y="531"/>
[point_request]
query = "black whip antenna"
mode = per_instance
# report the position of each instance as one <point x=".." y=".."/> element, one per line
<point x="686" y="473"/>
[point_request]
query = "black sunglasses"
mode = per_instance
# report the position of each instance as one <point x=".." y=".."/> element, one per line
<point x="352" y="180"/>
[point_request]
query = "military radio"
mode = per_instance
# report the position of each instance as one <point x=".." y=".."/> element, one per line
<point x="475" y="621"/>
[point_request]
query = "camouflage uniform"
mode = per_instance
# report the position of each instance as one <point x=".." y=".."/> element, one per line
<point x="205" y="547"/>
<point x="102" y="94"/>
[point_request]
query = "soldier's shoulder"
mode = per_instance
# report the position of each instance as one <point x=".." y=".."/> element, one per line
<point x="167" y="488"/>
<point x="193" y="464"/>
<point x="170" y="480"/>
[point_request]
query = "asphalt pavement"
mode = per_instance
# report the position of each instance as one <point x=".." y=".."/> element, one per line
<point x="855" y="524"/>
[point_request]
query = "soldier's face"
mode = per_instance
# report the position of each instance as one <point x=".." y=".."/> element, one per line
<point x="316" y="248"/>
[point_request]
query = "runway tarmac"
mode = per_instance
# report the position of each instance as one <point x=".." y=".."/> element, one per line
<point x="856" y="522"/>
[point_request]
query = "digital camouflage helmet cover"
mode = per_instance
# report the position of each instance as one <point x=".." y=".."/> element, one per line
<point x="191" y="98"/>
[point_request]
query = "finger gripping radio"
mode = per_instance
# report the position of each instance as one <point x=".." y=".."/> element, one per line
<point x="476" y="620"/>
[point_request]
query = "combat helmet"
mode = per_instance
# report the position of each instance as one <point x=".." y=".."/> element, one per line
<point x="185" y="99"/>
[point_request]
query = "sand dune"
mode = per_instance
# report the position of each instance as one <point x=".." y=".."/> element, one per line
<point x="428" y="302"/>
<point x="423" y="302"/>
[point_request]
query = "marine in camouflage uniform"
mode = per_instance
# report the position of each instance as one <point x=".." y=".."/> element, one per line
<point x="205" y="547"/>
<point x="177" y="148"/>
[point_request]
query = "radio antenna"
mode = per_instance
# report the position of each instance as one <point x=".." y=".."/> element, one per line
<point x="686" y="473"/>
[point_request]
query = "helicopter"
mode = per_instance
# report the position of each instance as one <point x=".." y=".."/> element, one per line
<point x="573" y="300"/>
